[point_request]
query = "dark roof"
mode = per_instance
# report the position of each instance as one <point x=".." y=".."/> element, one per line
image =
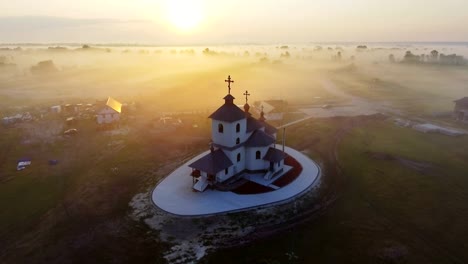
<point x="228" y="112"/>
<point x="229" y="148"/>
<point x="269" y="129"/>
<point x="259" y="139"/>
<point x="229" y="97"/>
<point x="213" y="162"/>
<point x="463" y="101"/>
<point x="274" y="155"/>
<point x="253" y="124"/>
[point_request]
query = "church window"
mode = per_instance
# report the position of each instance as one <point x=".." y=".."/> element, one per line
<point x="237" y="140"/>
<point x="226" y="171"/>
<point x="238" y="157"/>
<point x="258" y="154"/>
<point x="237" y="128"/>
<point x="220" y="128"/>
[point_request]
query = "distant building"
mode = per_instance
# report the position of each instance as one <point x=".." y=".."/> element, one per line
<point x="110" y="113"/>
<point x="17" y="118"/>
<point x="56" y="109"/>
<point x="273" y="109"/>
<point x="11" y="119"/>
<point x="461" y="109"/>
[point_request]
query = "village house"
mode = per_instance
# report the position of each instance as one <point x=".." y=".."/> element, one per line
<point x="461" y="109"/>
<point x="273" y="109"/>
<point x="110" y="113"/>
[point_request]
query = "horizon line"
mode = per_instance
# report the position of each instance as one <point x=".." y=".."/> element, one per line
<point x="253" y="43"/>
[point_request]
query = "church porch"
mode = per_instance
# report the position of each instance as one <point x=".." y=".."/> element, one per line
<point x="268" y="181"/>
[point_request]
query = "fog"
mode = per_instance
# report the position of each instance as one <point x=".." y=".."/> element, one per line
<point x="192" y="78"/>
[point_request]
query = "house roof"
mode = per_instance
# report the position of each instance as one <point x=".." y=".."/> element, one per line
<point x="114" y="104"/>
<point x="228" y="112"/>
<point x="271" y="106"/>
<point x="212" y="163"/>
<point x="463" y="101"/>
<point x="259" y="139"/>
<point x="274" y="155"/>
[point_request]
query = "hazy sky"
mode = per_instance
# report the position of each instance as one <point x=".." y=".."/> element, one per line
<point x="232" y="21"/>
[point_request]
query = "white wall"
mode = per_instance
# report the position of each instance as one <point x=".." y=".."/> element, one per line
<point x="274" y="116"/>
<point x="222" y="176"/>
<point x="237" y="166"/>
<point x="252" y="162"/>
<point x="107" y="116"/>
<point x="229" y="136"/>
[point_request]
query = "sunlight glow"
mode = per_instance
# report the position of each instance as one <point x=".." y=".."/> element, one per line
<point x="185" y="15"/>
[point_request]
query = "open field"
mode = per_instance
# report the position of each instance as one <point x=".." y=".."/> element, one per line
<point x="385" y="209"/>
<point x="84" y="197"/>
<point x="400" y="194"/>
<point x="387" y="212"/>
<point x="413" y="89"/>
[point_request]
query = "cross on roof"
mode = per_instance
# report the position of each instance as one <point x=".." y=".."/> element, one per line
<point x="246" y="96"/>
<point x="229" y="81"/>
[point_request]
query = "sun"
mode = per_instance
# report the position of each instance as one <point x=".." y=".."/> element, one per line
<point x="185" y="15"/>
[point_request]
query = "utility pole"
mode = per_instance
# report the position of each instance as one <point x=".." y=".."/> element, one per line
<point x="284" y="137"/>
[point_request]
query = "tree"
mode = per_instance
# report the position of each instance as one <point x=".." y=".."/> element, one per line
<point x="410" y="57"/>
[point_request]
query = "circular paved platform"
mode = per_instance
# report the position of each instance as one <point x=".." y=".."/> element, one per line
<point x="174" y="194"/>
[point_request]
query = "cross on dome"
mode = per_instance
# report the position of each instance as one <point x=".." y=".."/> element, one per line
<point x="262" y="115"/>
<point x="229" y="81"/>
<point x="246" y="96"/>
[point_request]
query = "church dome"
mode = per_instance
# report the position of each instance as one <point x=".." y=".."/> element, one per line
<point x="246" y="108"/>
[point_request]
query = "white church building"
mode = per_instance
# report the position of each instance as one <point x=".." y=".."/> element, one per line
<point x="240" y="144"/>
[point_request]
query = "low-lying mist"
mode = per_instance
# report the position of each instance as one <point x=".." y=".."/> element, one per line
<point x="192" y="78"/>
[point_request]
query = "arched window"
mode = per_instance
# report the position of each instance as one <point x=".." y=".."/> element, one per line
<point x="237" y="128"/>
<point x="220" y="128"/>
<point x="226" y="171"/>
<point x="238" y="157"/>
<point x="258" y="154"/>
<point x="237" y="140"/>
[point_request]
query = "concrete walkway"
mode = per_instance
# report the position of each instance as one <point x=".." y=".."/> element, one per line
<point x="174" y="194"/>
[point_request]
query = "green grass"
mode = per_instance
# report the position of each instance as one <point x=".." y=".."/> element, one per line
<point x="399" y="86"/>
<point x="26" y="198"/>
<point x="384" y="206"/>
<point x="429" y="204"/>
<point x="59" y="205"/>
